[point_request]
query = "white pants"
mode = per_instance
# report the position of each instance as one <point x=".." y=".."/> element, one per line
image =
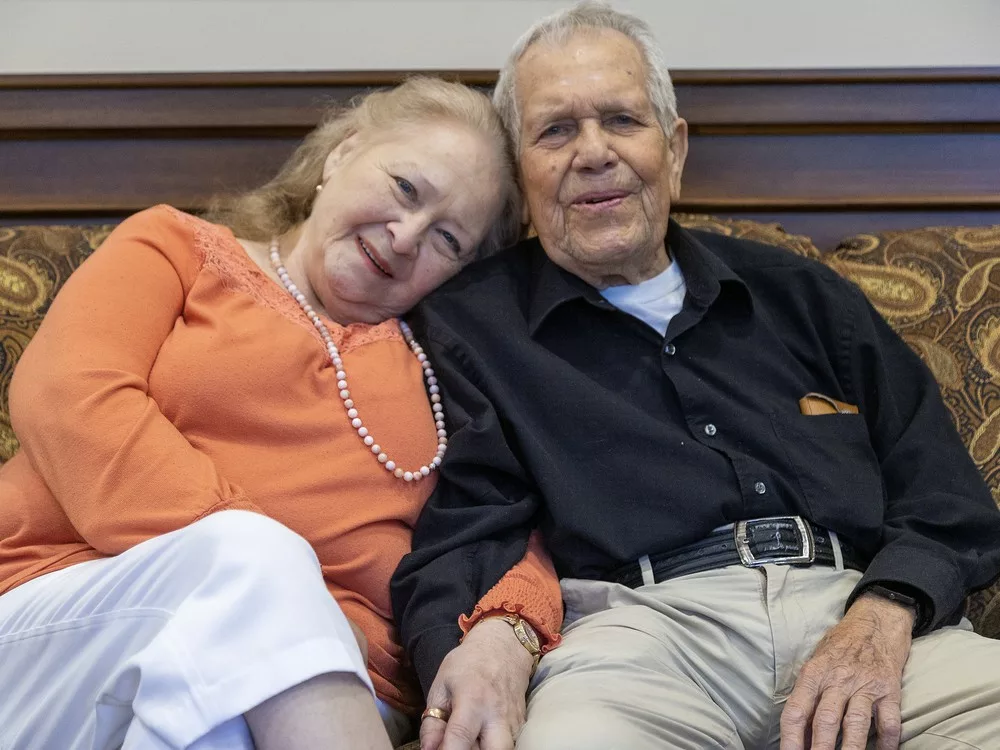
<point x="707" y="660"/>
<point x="169" y="643"/>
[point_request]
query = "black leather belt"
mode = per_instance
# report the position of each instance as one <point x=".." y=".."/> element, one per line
<point x="780" y="540"/>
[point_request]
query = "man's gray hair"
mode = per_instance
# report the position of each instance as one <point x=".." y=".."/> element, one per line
<point x="558" y="28"/>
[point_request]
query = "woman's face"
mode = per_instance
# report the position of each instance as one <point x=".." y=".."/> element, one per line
<point x="401" y="211"/>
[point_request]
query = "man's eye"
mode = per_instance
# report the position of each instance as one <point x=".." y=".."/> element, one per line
<point x="406" y="187"/>
<point x="452" y="240"/>
<point x="623" y="120"/>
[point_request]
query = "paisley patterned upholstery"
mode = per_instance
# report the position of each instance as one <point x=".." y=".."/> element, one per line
<point x="35" y="261"/>
<point x="939" y="287"/>
<point x="770" y="234"/>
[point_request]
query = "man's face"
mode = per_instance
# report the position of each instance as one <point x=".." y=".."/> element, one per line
<point x="599" y="173"/>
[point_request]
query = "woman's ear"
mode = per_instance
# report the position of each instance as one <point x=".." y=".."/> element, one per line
<point x="339" y="154"/>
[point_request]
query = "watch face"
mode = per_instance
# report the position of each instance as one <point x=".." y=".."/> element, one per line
<point x="531" y="634"/>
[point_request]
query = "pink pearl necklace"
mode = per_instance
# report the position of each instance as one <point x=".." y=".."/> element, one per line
<point x="345" y="394"/>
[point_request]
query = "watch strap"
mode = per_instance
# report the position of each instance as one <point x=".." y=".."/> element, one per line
<point x="894" y="594"/>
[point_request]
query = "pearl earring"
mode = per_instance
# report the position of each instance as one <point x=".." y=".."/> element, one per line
<point x="319" y="188"/>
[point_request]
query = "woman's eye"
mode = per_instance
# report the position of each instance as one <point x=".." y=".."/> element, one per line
<point x="406" y="187"/>
<point x="452" y="241"/>
<point x="553" y="130"/>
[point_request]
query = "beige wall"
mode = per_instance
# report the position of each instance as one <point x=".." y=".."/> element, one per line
<point x="76" y="36"/>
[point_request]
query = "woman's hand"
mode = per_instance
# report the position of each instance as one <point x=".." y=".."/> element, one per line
<point x="482" y="686"/>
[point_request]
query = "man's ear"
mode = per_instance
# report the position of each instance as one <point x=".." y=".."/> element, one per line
<point x="339" y="154"/>
<point x="678" y="146"/>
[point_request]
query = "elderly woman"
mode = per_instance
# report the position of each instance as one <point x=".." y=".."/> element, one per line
<point x="227" y="438"/>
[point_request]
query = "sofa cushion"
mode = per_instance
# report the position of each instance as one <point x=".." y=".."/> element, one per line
<point x="939" y="288"/>
<point x="35" y="261"/>
<point x="768" y="233"/>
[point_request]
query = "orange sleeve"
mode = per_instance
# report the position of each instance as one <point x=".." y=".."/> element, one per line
<point x="80" y="402"/>
<point x="530" y="589"/>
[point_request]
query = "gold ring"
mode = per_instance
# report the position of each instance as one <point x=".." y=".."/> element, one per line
<point x="437" y="713"/>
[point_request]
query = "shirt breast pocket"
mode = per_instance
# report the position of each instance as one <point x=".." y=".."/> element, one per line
<point x="836" y="467"/>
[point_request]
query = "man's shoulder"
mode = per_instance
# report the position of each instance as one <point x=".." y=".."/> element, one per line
<point x="750" y="259"/>
<point x="487" y="285"/>
<point x="786" y="283"/>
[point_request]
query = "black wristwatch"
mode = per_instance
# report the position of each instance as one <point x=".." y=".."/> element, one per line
<point x="892" y="593"/>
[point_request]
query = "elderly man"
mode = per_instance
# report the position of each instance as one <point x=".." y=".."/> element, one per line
<point x="762" y="517"/>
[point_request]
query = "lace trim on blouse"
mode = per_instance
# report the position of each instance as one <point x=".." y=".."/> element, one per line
<point x="222" y="254"/>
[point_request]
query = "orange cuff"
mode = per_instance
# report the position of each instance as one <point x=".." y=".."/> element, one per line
<point x="548" y="638"/>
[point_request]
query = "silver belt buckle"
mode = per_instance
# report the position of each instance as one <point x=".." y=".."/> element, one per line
<point x="748" y="558"/>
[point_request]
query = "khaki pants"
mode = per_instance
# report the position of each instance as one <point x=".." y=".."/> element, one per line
<point x="707" y="661"/>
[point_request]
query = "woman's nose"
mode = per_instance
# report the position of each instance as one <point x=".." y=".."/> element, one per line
<point x="407" y="234"/>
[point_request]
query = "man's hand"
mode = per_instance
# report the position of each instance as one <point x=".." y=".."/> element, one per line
<point x="482" y="683"/>
<point x="857" y="669"/>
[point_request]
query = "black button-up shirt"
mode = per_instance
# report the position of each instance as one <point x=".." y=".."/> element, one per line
<point x="567" y="414"/>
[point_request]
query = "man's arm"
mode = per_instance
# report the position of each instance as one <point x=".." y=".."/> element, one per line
<point x="939" y="541"/>
<point x="941" y="525"/>
<point x="472" y="534"/>
<point x="476" y="524"/>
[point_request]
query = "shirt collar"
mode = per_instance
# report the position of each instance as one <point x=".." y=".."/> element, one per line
<point x="706" y="275"/>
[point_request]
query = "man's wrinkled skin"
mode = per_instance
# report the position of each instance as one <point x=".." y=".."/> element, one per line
<point x="855" y="672"/>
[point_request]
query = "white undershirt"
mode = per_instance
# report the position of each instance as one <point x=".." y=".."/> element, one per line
<point x="654" y="301"/>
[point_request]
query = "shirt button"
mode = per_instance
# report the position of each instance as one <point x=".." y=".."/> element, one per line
<point x="670" y="349"/>
<point x="710" y="429"/>
<point x="760" y="488"/>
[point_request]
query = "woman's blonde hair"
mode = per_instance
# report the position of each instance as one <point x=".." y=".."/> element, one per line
<point x="286" y="200"/>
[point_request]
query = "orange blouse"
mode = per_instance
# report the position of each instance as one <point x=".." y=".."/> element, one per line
<point x="172" y="378"/>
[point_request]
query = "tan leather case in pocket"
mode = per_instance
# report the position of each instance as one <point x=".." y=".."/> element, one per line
<point x="816" y="404"/>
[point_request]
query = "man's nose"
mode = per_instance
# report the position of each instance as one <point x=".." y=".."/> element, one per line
<point x="593" y="148"/>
